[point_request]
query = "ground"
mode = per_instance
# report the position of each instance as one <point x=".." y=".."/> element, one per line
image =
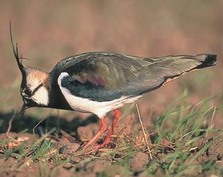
<point x="182" y="120"/>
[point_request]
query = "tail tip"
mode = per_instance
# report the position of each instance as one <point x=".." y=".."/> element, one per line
<point x="208" y="60"/>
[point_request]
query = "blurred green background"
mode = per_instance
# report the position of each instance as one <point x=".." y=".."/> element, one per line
<point x="48" y="31"/>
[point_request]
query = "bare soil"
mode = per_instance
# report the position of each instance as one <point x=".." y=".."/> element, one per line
<point x="66" y="141"/>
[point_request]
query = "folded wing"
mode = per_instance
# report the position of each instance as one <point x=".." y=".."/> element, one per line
<point x="101" y="76"/>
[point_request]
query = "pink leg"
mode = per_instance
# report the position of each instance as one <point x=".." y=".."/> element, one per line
<point x="103" y="127"/>
<point x="111" y="130"/>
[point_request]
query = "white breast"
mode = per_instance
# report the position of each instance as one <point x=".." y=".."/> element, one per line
<point x="86" y="105"/>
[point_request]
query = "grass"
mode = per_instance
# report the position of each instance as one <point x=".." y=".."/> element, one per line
<point x="181" y="140"/>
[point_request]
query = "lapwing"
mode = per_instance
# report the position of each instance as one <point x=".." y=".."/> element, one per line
<point x="100" y="82"/>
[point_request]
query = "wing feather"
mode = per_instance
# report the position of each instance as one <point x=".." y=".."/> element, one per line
<point x="101" y="76"/>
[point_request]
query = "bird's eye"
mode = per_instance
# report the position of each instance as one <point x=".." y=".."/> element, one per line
<point x="26" y="93"/>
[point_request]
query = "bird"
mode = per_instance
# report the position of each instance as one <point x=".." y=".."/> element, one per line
<point x="100" y="82"/>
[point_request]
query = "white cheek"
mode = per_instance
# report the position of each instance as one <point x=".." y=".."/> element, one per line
<point x="41" y="96"/>
<point x="32" y="84"/>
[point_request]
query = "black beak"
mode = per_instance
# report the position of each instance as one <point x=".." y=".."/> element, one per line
<point x="22" y="111"/>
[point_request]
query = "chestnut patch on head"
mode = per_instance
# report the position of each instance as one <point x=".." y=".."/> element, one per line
<point x="35" y="87"/>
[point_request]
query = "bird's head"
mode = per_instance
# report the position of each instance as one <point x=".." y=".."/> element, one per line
<point x="34" y="86"/>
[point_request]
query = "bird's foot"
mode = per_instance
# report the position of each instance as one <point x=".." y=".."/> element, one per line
<point x="105" y="143"/>
<point x="103" y="127"/>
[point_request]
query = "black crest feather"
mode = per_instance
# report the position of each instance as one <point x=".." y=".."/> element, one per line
<point x="16" y="52"/>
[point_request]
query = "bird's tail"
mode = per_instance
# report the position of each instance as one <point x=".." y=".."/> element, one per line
<point x="164" y="69"/>
<point x="206" y="60"/>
